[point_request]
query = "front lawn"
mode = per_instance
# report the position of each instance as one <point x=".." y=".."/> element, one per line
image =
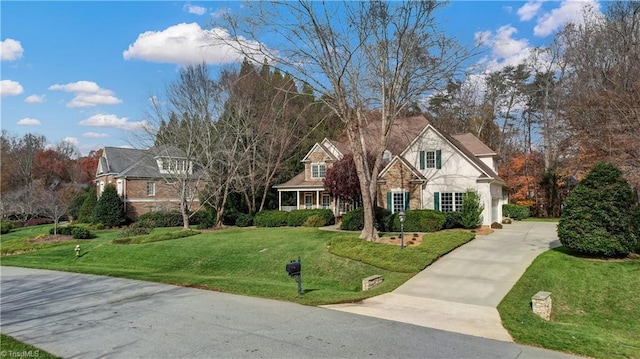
<point x="595" y="310"/>
<point x="12" y="348"/>
<point x="245" y="261"/>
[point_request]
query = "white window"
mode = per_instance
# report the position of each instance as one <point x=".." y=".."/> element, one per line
<point x="451" y="202"/>
<point x="119" y="187"/>
<point x="326" y="200"/>
<point x="308" y="200"/>
<point x="398" y="202"/>
<point x="430" y="159"/>
<point x="151" y="189"/>
<point x="318" y="170"/>
<point x="168" y="165"/>
<point x="386" y="156"/>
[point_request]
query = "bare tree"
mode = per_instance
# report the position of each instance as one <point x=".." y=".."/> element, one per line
<point x="182" y="132"/>
<point x="603" y="87"/>
<point x="358" y="56"/>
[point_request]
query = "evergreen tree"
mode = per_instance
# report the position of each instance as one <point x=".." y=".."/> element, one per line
<point x="598" y="217"/>
<point x="85" y="214"/>
<point x="109" y="210"/>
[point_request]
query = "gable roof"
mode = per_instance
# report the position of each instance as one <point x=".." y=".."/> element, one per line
<point x="474" y="145"/>
<point x="486" y="171"/>
<point x="132" y="162"/>
<point x="403" y="162"/>
<point x="319" y="147"/>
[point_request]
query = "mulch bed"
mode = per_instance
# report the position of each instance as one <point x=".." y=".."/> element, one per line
<point x="51" y="239"/>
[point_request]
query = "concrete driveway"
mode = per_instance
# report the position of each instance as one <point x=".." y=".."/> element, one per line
<point x="460" y="292"/>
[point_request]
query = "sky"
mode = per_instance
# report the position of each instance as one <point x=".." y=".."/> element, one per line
<point x="84" y="72"/>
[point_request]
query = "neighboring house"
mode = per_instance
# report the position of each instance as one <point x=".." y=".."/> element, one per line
<point x="148" y="180"/>
<point x="424" y="168"/>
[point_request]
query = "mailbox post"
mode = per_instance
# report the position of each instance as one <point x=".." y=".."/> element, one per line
<point x="294" y="269"/>
<point x="401" y="217"/>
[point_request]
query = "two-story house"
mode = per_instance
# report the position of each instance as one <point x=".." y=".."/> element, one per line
<point x="424" y="168"/>
<point x="149" y="180"/>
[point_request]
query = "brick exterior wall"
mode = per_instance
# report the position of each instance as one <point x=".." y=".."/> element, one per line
<point x="315" y="157"/>
<point x="137" y="201"/>
<point x="398" y="176"/>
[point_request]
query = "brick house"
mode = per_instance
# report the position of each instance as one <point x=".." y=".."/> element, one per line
<point x="148" y="180"/>
<point x="424" y="168"/>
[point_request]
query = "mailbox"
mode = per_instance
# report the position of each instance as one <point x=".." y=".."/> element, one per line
<point x="294" y="268"/>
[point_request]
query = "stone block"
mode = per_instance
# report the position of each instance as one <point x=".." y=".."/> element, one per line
<point x="541" y="304"/>
<point x="371" y="281"/>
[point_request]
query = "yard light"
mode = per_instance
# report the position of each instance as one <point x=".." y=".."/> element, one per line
<point x="77" y="250"/>
<point x="401" y="217"/>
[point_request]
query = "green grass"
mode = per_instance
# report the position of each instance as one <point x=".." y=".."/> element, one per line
<point x="596" y="306"/>
<point x="12" y="348"/>
<point x="16" y="241"/>
<point x="242" y="261"/>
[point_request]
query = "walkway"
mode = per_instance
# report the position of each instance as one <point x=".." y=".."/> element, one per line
<point x="460" y="292"/>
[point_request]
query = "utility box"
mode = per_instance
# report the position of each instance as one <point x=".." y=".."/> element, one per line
<point x="294" y="268"/>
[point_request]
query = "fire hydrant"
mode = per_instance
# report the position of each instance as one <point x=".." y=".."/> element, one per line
<point x="77" y="251"/>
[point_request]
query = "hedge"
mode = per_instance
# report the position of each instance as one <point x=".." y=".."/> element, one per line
<point x="5" y="227"/>
<point x="354" y="220"/>
<point x="422" y="220"/>
<point x="270" y="219"/>
<point x="515" y="211"/>
<point x="299" y="217"/>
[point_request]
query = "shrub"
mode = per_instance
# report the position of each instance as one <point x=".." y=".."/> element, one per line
<point x="81" y="233"/>
<point x="109" y="209"/>
<point x="198" y="217"/>
<point x="162" y="218"/>
<point x="271" y="219"/>
<point x="299" y="217"/>
<point x="354" y="220"/>
<point x="452" y="220"/>
<point x="37" y="222"/>
<point x="315" y="221"/>
<point x="244" y="220"/>
<point x="140" y="227"/>
<point x="76" y="203"/>
<point x="472" y="209"/>
<point x="599" y="217"/>
<point x="515" y="211"/>
<point x="5" y="227"/>
<point x="423" y="220"/>
<point x="64" y="230"/>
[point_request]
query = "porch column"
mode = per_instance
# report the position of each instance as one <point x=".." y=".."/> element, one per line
<point x="318" y="199"/>
<point x="297" y="199"/>
<point x="279" y="201"/>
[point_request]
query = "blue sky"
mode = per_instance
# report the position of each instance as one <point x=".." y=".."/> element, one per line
<point x="84" y="72"/>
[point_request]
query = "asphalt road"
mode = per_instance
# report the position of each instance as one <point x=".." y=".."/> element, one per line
<point x="84" y="316"/>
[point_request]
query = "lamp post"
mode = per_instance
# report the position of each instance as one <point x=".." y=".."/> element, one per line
<point x="401" y="217"/>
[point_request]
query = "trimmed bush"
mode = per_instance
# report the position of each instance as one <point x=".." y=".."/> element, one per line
<point x="452" y="220"/>
<point x="81" y="233"/>
<point x="271" y="219"/>
<point x="162" y="218"/>
<point x="515" y="211"/>
<point x="138" y="228"/>
<point x="354" y="220"/>
<point x="5" y="227"/>
<point x="299" y="217"/>
<point x="244" y="220"/>
<point x="423" y="220"/>
<point x="315" y="221"/>
<point x="599" y="216"/>
<point x="63" y="230"/>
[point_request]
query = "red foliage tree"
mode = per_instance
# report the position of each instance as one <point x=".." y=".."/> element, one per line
<point x="87" y="167"/>
<point x="52" y="167"/>
<point x="341" y="179"/>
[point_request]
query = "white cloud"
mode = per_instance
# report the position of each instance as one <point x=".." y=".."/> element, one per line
<point x="34" y="99"/>
<point x="529" y="10"/>
<point x="505" y="49"/>
<point x="29" y="122"/>
<point x="87" y="93"/>
<point x="112" y="121"/>
<point x="10" y="88"/>
<point x="186" y="44"/>
<point x="193" y="9"/>
<point x="94" y="135"/>
<point x="569" y="11"/>
<point x="71" y="140"/>
<point x="10" y="50"/>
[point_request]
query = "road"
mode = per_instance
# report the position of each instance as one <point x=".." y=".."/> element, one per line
<point x="83" y="316"/>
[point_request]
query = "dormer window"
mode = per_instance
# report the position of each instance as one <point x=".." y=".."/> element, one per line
<point x="386" y="156"/>
<point x="318" y="170"/>
<point x="172" y="165"/>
